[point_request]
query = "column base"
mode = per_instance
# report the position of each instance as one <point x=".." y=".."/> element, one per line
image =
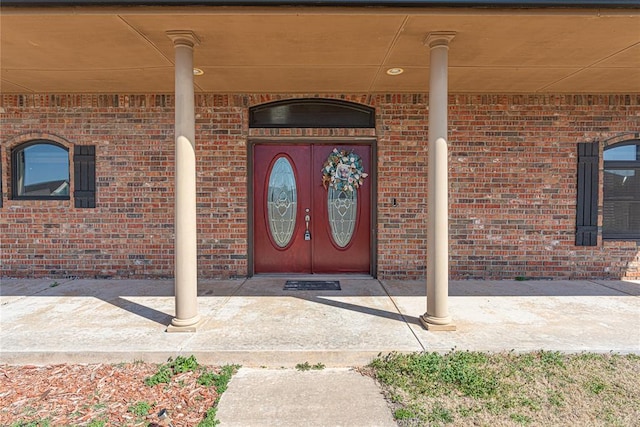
<point x="188" y="325"/>
<point x="436" y="324"/>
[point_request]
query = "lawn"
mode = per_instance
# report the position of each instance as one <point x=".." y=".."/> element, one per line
<point x="544" y="388"/>
<point x="459" y="388"/>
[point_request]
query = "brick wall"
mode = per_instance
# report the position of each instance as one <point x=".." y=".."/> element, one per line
<point x="512" y="181"/>
<point x="513" y="184"/>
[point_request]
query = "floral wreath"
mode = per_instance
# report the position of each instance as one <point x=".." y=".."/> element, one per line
<point x="343" y="171"/>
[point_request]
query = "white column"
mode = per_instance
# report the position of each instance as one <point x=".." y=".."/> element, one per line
<point x="186" y="246"/>
<point x="437" y="316"/>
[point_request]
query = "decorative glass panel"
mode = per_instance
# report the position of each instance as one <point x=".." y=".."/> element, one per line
<point x="282" y="202"/>
<point x="342" y="207"/>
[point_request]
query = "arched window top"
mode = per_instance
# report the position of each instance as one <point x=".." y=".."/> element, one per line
<point x="43" y="142"/>
<point x="627" y="151"/>
<point x="40" y="170"/>
<point x="311" y="113"/>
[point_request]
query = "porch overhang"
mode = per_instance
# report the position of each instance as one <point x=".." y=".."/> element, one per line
<point x="338" y="47"/>
<point x="125" y="48"/>
<point x="396" y="3"/>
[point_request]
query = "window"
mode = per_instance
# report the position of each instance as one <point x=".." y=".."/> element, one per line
<point x="312" y="113"/>
<point x="40" y="171"/>
<point x="621" y="213"/>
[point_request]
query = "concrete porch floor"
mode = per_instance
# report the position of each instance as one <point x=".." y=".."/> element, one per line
<point x="255" y="323"/>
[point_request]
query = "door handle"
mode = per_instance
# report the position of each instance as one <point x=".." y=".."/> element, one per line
<point x="307" y="219"/>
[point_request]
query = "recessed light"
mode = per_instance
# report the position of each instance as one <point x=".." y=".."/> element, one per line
<point x="197" y="72"/>
<point x="396" y="71"/>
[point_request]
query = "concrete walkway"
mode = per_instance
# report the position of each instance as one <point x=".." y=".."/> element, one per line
<point x="256" y="324"/>
<point x="329" y="397"/>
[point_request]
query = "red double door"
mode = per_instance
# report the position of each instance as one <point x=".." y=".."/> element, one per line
<point x="298" y="225"/>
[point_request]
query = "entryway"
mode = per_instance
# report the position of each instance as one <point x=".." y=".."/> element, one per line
<point x="302" y="224"/>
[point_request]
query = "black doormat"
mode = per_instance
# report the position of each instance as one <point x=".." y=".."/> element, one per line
<point x="312" y="285"/>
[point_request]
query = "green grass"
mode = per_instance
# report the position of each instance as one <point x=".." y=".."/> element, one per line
<point x="172" y="367"/>
<point x="163" y="375"/>
<point x="596" y="385"/>
<point x="403" y="414"/>
<point x="520" y="419"/>
<point x="433" y="374"/>
<point x="35" y="423"/>
<point x="184" y="364"/>
<point x="140" y="409"/>
<point x="539" y="388"/>
<point x="440" y="415"/>
<point x="219" y="380"/>
<point x="209" y="419"/>
<point x="307" y="367"/>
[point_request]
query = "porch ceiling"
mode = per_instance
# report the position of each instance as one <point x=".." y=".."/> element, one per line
<point x="325" y="50"/>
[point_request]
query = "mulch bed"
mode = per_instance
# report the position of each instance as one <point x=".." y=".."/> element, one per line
<point x="99" y="395"/>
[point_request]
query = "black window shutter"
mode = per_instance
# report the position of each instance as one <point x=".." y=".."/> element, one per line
<point x="587" y="206"/>
<point x="84" y="167"/>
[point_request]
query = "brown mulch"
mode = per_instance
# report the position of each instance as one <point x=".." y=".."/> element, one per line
<point x="99" y="394"/>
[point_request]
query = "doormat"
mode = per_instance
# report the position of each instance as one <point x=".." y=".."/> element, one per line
<point x="312" y="285"/>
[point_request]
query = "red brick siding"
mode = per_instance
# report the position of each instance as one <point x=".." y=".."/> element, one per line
<point x="513" y="184"/>
<point x="221" y="186"/>
<point x="512" y="181"/>
<point x="402" y="175"/>
<point x="129" y="233"/>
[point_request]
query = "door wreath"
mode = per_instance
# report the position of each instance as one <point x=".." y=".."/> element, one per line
<point x="343" y="171"/>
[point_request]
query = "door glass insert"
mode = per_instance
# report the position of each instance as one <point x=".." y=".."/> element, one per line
<point x="342" y="207"/>
<point x="282" y="202"/>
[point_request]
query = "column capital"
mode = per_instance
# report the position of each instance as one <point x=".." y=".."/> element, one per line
<point x="183" y="37"/>
<point x="439" y="38"/>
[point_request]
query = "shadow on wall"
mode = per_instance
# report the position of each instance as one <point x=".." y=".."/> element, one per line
<point x="589" y="263"/>
<point x="632" y="271"/>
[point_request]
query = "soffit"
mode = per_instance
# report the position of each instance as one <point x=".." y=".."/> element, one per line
<point x="327" y="50"/>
